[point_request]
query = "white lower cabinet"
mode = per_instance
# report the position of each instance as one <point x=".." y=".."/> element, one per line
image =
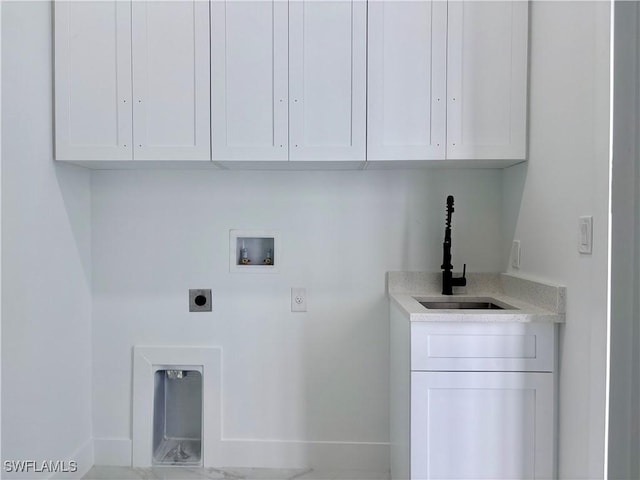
<point x="481" y="425"/>
<point x="472" y="400"/>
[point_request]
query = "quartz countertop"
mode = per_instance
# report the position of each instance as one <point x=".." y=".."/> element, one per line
<point x="534" y="301"/>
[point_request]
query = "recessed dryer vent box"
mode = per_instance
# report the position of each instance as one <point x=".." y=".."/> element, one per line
<point x="177" y="417"/>
<point x="254" y="251"/>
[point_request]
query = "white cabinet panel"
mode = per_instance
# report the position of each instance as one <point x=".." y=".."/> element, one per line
<point x="455" y="415"/>
<point x="487" y="79"/>
<point x="171" y="80"/>
<point x="327" y="79"/>
<point x="93" y="80"/>
<point x="447" y="80"/>
<point x="407" y="80"/>
<point x="482" y="347"/>
<point x="481" y="425"/>
<point x="249" y="80"/>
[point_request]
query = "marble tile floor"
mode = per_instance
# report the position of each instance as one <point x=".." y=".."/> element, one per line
<point x="195" y="473"/>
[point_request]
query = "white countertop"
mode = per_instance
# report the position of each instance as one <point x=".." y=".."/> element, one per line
<point x="533" y="301"/>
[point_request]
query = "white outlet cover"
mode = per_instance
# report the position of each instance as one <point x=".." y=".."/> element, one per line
<point x="298" y="299"/>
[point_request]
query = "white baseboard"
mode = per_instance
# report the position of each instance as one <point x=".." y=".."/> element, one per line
<point x="269" y="454"/>
<point x="83" y="457"/>
<point x="112" y="451"/>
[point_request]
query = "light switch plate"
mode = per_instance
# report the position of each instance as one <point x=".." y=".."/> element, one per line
<point x="585" y="235"/>
<point x="515" y="254"/>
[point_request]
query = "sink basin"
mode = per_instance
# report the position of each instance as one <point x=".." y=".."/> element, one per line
<point x="464" y="304"/>
<point x="461" y="305"/>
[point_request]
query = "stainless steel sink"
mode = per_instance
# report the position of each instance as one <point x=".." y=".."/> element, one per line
<point x="464" y="304"/>
<point x="461" y="305"/>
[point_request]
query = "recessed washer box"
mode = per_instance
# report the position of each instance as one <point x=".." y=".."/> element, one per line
<point x="254" y="251"/>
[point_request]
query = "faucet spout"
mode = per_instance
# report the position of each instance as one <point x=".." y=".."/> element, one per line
<point x="448" y="280"/>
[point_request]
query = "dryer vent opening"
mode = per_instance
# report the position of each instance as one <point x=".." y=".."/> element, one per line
<point x="177" y="417"/>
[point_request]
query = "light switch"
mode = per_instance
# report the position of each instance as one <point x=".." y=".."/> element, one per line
<point x="515" y="254"/>
<point x="585" y="232"/>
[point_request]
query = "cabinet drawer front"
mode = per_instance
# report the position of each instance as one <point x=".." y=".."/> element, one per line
<point x="482" y="347"/>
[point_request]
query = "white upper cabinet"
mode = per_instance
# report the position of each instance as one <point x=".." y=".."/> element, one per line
<point x="447" y="80"/>
<point x="407" y="80"/>
<point x="132" y="80"/>
<point x="288" y="80"/>
<point x="301" y="80"/>
<point x="327" y="79"/>
<point x="487" y="80"/>
<point x="249" y="80"/>
<point x="93" y="81"/>
<point x="171" y="80"/>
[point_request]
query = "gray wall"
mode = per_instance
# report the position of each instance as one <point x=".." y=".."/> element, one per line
<point x="625" y="269"/>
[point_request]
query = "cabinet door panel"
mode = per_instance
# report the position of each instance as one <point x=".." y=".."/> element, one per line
<point x="407" y="80"/>
<point x="487" y="80"/>
<point x="171" y="80"/>
<point x="327" y="79"/>
<point x="471" y="425"/>
<point x="249" y="55"/>
<point x="93" y="80"/>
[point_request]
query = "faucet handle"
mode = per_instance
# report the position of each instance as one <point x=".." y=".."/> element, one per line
<point x="459" y="281"/>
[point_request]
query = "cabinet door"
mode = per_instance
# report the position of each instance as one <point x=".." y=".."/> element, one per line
<point x="249" y="80"/>
<point x="487" y="80"/>
<point x="327" y="79"/>
<point x="93" y="80"/>
<point x="407" y="80"/>
<point x="171" y="87"/>
<point x="482" y="425"/>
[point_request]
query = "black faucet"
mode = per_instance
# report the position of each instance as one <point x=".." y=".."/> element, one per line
<point x="448" y="281"/>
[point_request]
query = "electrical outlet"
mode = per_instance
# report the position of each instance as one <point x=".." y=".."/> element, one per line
<point x="200" y="300"/>
<point x="515" y="254"/>
<point x="298" y="299"/>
